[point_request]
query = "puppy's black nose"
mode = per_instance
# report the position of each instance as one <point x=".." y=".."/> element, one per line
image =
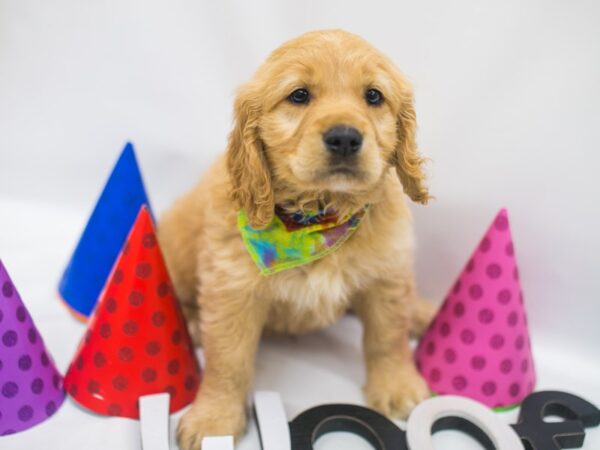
<point x="343" y="140"/>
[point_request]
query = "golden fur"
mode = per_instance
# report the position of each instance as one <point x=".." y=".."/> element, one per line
<point x="275" y="156"/>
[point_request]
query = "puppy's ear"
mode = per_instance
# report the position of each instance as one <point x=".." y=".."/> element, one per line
<point x="408" y="162"/>
<point x="246" y="161"/>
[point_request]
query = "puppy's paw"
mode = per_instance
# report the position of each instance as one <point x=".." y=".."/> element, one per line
<point x="208" y="417"/>
<point x="396" y="394"/>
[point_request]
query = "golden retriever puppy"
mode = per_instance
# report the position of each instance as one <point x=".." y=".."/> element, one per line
<point x="327" y="123"/>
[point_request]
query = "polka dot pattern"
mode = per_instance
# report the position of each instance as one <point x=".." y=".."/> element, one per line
<point x="459" y="383"/>
<point x="475" y="291"/>
<point x="506" y="366"/>
<point x="445" y="329"/>
<point x="136" y="298"/>
<point x="130" y="327"/>
<point x="478" y="362"/>
<point x="497" y="341"/>
<point x="32" y="335"/>
<point x="105" y="330"/>
<point x="504" y="296"/>
<point x="163" y="290"/>
<point x="37" y="386"/>
<point x="125" y="354"/>
<point x="26" y="372"/>
<point x="99" y="360"/>
<point x="449" y="356"/>
<point x="143" y="270"/>
<point x="486" y="316"/>
<point x="158" y="318"/>
<point x="114" y="409"/>
<point x="459" y="309"/>
<point x="467" y="336"/>
<point x="118" y="277"/>
<point x="149" y="240"/>
<point x="137" y="340"/>
<point x="120" y="382"/>
<point x="7" y="289"/>
<point x="479" y="345"/>
<point x="111" y="305"/>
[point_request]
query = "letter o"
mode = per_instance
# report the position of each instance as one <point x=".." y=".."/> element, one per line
<point x="452" y="412"/>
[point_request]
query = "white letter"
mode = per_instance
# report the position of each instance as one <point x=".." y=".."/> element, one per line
<point x="154" y="421"/>
<point x="272" y="423"/>
<point x="420" y="422"/>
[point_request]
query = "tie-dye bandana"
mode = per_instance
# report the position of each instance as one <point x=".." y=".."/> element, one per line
<point x="292" y="240"/>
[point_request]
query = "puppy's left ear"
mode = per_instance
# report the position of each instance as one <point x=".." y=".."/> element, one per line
<point x="408" y="162"/>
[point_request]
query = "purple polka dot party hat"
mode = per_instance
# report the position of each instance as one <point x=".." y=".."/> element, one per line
<point x="478" y="345"/>
<point x="31" y="389"/>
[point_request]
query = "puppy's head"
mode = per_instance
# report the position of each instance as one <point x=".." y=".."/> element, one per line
<point x="326" y="113"/>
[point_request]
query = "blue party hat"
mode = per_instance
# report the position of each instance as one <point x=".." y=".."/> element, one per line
<point x="104" y="235"/>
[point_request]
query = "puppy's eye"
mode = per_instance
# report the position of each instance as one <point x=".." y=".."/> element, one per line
<point x="373" y="97"/>
<point x="299" y="96"/>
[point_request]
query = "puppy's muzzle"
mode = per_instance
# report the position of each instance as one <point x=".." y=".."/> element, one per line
<point x="343" y="140"/>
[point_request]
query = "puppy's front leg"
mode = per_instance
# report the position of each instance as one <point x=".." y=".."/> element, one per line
<point x="394" y="387"/>
<point x="231" y="324"/>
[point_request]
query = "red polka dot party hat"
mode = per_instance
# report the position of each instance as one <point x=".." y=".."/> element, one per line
<point x="478" y="345"/>
<point x="31" y="389"/>
<point x="137" y="342"/>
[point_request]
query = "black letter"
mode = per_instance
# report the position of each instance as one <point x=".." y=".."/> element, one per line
<point x="539" y="435"/>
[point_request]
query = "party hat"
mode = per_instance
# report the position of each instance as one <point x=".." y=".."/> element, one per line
<point x="478" y="345"/>
<point x="103" y="236"/>
<point x="31" y="389"/>
<point x="137" y="342"/>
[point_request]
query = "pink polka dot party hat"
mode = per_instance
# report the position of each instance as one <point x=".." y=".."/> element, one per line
<point x="478" y="345"/>
<point x="31" y="389"/>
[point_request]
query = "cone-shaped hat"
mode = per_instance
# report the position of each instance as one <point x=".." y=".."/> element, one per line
<point x="478" y="345"/>
<point x="137" y="342"/>
<point x="104" y="235"/>
<point x="31" y="389"/>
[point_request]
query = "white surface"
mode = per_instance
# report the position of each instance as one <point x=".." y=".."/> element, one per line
<point x="217" y="443"/>
<point x="323" y="367"/>
<point x="154" y="421"/>
<point x="508" y="101"/>
<point x="272" y="421"/>
<point x="422" y="419"/>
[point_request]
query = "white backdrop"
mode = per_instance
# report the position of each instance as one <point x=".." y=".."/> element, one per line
<point x="508" y="99"/>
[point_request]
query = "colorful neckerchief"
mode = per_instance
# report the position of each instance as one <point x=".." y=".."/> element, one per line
<point x="291" y="240"/>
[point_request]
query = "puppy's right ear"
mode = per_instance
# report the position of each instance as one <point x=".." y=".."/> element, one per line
<point x="247" y="163"/>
